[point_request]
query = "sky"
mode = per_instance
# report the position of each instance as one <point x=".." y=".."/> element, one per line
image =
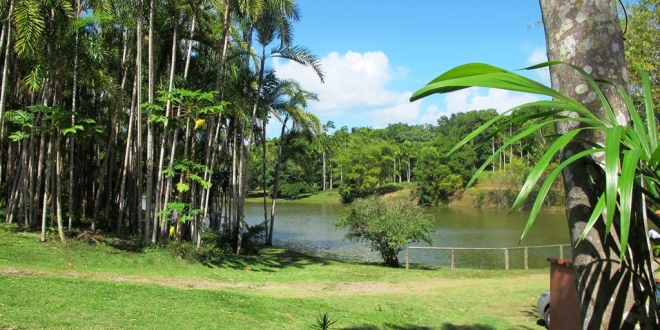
<point x="376" y="53"/>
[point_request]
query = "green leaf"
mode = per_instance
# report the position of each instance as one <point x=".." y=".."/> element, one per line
<point x="595" y="214"/>
<point x="630" y="159"/>
<point x="652" y="125"/>
<point x="612" y="143"/>
<point x="543" y="191"/>
<point x="18" y="135"/>
<point x="182" y="186"/>
<point x="485" y="75"/>
<point x="541" y="165"/>
<point x="655" y="157"/>
<point x="638" y="123"/>
<point x="20" y="117"/>
<point x="30" y="26"/>
<point x="157" y="119"/>
<point x="474" y="134"/>
<point x="73" y="129"/>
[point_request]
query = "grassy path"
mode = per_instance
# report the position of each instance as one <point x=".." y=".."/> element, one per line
<point x="86" y="286"/>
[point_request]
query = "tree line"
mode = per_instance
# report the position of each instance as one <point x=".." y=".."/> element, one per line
<point x="147" y="118"/>
<point x="139" y="117"/>
<point x="362" y="161"/>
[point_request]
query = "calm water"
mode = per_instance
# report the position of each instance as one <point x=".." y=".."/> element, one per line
<point x="309" y="228"/>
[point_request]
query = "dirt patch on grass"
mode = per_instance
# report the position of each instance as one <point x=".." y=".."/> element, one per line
<point x="17" y="272"/>
<point x="298" y="289"/>
<point x="406" y="287"/>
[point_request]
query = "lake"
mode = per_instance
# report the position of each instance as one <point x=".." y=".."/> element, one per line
<point x="309" y="228"/>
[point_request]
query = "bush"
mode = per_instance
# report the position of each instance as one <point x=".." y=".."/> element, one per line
<point x="225" y="241"/>
<point x="387" y="226"/>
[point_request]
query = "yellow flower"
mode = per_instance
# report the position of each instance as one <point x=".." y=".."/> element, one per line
<point x="200" y="123"/>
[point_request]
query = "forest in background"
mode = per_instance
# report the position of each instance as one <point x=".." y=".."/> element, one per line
<point x="143" y="118"/>
<point x="362" y="161"/>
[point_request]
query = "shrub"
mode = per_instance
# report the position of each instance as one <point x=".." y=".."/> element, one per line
<point x="386" y="226"/>
<point x="225" y="241"/>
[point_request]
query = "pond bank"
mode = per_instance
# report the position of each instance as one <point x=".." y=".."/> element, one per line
<point x="474" y="197"/>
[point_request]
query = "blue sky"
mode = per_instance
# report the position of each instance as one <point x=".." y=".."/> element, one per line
<point x="375" y="54"/>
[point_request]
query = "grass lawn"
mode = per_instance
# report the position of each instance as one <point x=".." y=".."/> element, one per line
<point x="331" y="196"/>
<point x="101" y="286"/>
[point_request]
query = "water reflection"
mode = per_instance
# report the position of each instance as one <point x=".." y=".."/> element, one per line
<point x="309" y="228"/>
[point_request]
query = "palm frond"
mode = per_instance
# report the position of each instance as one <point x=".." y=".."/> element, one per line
<point x="300" y="55"/>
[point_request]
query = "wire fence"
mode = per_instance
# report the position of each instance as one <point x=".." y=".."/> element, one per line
<point x="505" y="251"/>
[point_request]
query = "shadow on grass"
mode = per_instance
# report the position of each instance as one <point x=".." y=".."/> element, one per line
<point x="446" y="326"/>
<point x="268" y="259"/>
<point x="531" y="312"/>
<point x="389" y="326"/>
<point x="421" y="266"/>
<point x="387" y="189"/>
<point x="449" y="326"/>
<point x="126" y="245"/>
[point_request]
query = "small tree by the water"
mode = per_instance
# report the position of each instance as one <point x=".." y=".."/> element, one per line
<point x="386" y="225"/>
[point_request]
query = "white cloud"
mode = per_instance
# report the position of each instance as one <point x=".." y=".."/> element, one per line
<point x="402" y="111"/>
<point x="431" y="116"/>
<point x="356" y="92"/>
<point x="537" y="56"/>
<point x="352" y="80"/>
<point x="481" y="98"/>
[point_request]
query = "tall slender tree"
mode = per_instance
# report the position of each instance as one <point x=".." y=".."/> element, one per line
<point x="293" y="109"/>
<point x="597" y="45"/>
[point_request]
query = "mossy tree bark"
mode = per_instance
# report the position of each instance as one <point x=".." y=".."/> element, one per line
<point x="613" y="293"/>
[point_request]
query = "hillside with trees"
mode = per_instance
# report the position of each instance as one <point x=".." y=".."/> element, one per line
<point x="363" y="161"/>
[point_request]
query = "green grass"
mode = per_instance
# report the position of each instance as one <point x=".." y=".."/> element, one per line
<point x="330" y="196"/>
<point x="87" y="286"/>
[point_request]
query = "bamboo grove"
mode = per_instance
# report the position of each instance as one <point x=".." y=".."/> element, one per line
<point x="148" y="119"/>
<point x="140" y="115"/>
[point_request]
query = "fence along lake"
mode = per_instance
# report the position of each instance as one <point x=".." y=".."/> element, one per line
<point x="309" y="228"/>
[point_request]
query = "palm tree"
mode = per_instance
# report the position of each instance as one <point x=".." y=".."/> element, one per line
<point x="271" y="20"/>
<point x="292" y="108"/>
<point x="325" y="145"/>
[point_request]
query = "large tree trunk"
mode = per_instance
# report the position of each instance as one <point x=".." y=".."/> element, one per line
<point x="44" y="213"/>
<point x="613" y="293"/>
<point x="168" y="107"/>
<point x="5" y="79"/>
<point x="58" y="190"/>
<point x="126" y="165"/>
<point x="39" y="178"/>
<point x="71" y="136"/>
<point x="263" y="173"/>
<point x="138" y="121"/>
<point x="148" y="214"/>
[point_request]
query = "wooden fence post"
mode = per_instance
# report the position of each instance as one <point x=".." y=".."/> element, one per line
<point x="507" y="265"/>
<point x="452" y="260"/>
<point x="526" y="258"/>
<point x="407" y="256"/>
